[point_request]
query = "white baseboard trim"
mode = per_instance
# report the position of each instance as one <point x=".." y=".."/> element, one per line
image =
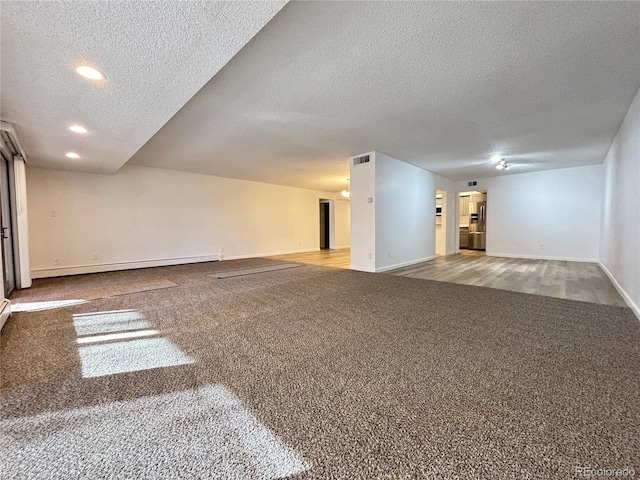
<point x="362" y="269"/>
<point x="111" y="267"/>
<point x="404" y="264"/>
<point x="621" y="290"/>
<point x="269" y="254"/>
<point x="543" y="257"/>
<point x="5" y="311"/>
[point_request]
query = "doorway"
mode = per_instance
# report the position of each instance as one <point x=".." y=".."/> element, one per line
<point x="6" y="227"/>
<point x="473" y="222"/>
<point x="441" y="223"/>
<point x="325" y="225"/>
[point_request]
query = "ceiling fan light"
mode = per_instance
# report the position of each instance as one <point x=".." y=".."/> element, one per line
<point x="500" y="166"/>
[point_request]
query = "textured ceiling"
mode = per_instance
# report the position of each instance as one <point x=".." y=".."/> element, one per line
<point x="156" y="56"/>
<point x="442" y="85"/>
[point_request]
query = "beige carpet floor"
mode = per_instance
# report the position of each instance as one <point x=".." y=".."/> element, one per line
<point x="316" y="373"/>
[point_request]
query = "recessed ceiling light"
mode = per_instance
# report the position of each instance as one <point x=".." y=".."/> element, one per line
<point x="89" y="72"/>
<point x="72" y="155"/>
<point x="78" y="129"/>
<point x="500" y="166"/>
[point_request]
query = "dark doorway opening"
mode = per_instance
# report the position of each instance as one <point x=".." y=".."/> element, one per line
<point x="324" y="225"/>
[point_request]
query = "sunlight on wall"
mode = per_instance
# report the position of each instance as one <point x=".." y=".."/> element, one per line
<point x="198" y="433"/>
<point x="110" y="344"/>
<point x="36" y="306"/>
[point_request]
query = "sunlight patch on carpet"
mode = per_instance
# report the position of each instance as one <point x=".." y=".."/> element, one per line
<point x="108" y="321"/>
<point x="40" y="301"/>
<point x="17" y="307"/>
<point x="199" y="433"/>
<point x="110" y="343"/>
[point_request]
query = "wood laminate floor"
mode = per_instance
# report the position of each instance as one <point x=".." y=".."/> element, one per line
<point x="339" y="258"/>
<point x="572" y="280"/>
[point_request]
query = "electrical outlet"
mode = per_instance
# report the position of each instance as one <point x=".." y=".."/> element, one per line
<point x="57" y="261"/>
<point x="95" y="256"/>
<point x="222" y="250"/>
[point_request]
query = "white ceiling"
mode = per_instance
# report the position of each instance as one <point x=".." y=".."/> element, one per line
<point x="156" y="56"/>
<point x="442" y="85"/>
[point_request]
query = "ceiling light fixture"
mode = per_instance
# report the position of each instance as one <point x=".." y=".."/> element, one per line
<point x="72" y="155"/>
<point x="77" y="129"/>
<point x="502" y="165"/>
<point x="346" y="193"/>
<point x="496" y="158"/>
<point x="89" y="72"/>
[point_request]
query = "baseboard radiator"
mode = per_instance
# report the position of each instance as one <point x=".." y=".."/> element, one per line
<point x="5" y="312"/>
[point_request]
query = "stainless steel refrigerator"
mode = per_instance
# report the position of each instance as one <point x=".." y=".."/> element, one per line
<point x="477" y="226"/>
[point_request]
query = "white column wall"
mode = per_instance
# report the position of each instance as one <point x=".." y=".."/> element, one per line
<point x="405" y="214"/>
<point x="363" y="215"/>
<point x="397" y="228"/>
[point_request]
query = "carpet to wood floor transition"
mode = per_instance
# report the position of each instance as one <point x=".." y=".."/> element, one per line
<point x="313" y="373"/>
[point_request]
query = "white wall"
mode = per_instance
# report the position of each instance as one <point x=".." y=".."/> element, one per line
<point x="440" y="239"/>
<point x="620" y="233"/>
<point x="558" y="209"/>
<point x="147" y="216"/>
<point x="342" y="223"/>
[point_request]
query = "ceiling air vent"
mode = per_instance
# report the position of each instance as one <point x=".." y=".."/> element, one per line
<point x="362" y="159"/>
